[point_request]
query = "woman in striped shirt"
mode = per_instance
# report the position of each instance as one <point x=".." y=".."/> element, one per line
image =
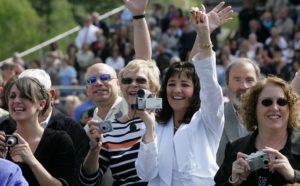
<point x="119" y="147"/>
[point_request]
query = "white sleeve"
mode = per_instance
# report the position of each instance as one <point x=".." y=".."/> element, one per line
<point x="147" y="161"/>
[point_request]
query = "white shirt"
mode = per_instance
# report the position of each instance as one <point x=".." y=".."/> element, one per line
<point x="194" y="145"/>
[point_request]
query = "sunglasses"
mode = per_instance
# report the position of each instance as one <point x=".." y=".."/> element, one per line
<point x="103" y="77"/>
<point x="128" y="81"/>
<point x="268" y="102"/>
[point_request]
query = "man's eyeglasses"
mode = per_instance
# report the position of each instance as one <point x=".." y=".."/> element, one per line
<point x="268" y="102"/>
<point x="103" y="77"/>
<point x="128" y="81"/>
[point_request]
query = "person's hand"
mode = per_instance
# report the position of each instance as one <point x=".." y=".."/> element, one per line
<point x="21" y="152"/>
<point x="3" y="148"/>
<point x="199" y="20"/>
<point x="148" y="117"/>
<point x="94" y="134"/>
<point x="136" y="7"/>
<point x="240" y="168"/>
<point x="218" y="16"/>
<point x="279" y="163"/>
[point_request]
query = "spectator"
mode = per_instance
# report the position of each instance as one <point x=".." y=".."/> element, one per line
<point x="240" y="75"/>
<point x="65" y="76"/>
<point x="284" y="23"/>
<point x="87" y="34"/>
<point x="100" y="23"/>
<point x="116" y="61"/>
<point x="11" y="174"/>
<point x="71" y="102"/>
<point x="271" y="111"/>
<point x="7" y="71"/>
<point x="45" y="156"/>
<point x="55" y="120"/>
<point x="85" y="58"/>
<point x="247" y="13"/>
<point x="187" y="137"/>
<point x="109" y="107"/>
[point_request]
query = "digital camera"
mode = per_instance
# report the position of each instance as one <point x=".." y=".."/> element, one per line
<point x="258" y="160"/>
<point x="10" y="140"/>
<point x="105" y="126"/>
<point x="145" y="100"/>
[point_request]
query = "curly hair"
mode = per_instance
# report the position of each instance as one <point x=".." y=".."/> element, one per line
<point x="250" y="100"/>
<point x="166" y="112"/>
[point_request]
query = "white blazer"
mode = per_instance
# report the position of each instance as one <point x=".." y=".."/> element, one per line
<point x="195" y="144"/>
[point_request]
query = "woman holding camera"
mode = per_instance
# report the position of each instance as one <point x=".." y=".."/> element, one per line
<point x="182" y="149"/>
<point x="45" y="156"/>
<point x="271" y="154"/>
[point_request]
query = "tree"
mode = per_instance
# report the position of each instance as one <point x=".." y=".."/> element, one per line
<point x="19" y="25"/>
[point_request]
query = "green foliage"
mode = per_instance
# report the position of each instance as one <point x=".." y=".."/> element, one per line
<point x="19" y="25"/>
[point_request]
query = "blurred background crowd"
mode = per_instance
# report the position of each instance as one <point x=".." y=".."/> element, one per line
<point x="268" y="32"/>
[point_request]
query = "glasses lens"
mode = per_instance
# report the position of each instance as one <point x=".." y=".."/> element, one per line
<point x="104" y="77"/>
<point x="282" y="102"/>
<point x="267" y="102"/>
<point x="141" y="80"/>
<point x="126" y="81"/>
<point x="91" y="79"/>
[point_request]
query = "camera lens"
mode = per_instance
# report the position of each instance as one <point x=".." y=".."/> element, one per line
<point x="140" y="93"/>
<point x="266" y="162"/>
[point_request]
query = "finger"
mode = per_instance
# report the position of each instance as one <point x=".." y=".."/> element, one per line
<point x="218" y="7"/>
<point x="20" y="139"/>
<point x="241" y="155"/>
<point x="202" y="8"/>
<point x="275" y="153"/>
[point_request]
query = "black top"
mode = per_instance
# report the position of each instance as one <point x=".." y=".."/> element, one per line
<point x="59" y="121"/>
<point x="55" y="152"/>
<point x="247" y="145"/>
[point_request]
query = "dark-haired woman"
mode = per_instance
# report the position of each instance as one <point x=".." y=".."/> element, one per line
<point x="183" y="149"/>
<point x="45" y="156"/>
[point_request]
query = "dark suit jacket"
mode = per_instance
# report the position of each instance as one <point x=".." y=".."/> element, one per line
<point x="59" y="121"/>
<point x="247" y="146"/>
<point x="230" y="132"/>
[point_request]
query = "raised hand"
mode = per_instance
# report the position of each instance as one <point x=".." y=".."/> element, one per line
<point x="136" y="7"/>
<point x="199" y="19"/>
<point x="94" y="135"/>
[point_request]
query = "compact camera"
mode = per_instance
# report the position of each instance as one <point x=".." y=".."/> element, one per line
<point x="258" y="160"/>
<point x="145" y="100"/>
<point x="10" y="140"/>
<point x="105" y="126"/>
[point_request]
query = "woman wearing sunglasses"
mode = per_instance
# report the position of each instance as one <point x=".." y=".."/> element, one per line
<point x="271" y="111"/>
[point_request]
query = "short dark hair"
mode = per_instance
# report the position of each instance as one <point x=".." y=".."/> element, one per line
<point x="242" y="61"/>
<point x="164" y="115"/>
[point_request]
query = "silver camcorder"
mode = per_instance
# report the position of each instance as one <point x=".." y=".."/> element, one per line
<point x="145" y="100"/>
<point x="105" y="126"/>
<point x="10" y="140"/>
<point x="258" y="160"/>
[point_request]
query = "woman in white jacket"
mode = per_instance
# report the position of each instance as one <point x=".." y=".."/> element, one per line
<point x="181" y="148"/>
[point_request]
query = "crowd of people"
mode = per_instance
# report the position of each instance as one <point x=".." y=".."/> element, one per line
<point x="229" y="115"/>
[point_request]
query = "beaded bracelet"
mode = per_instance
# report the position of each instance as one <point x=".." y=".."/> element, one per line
<point x="205" y="46"/>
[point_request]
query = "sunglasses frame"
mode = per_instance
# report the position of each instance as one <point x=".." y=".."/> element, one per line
<point x="267" y="102"/>
<point x="128" y="81"/>
<point x="103" y="77"/>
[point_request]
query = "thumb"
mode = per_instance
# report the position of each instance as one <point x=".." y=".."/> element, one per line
<point x="202" y="8"/>
<point x="20" y="139"/>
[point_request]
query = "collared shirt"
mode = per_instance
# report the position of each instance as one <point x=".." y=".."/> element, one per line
<point x="44" y="123"/>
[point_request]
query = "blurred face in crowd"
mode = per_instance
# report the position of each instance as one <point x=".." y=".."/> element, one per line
<point x="272" y="109"/>
<point x="102" y="85"/>
<point x="241" y="77"/>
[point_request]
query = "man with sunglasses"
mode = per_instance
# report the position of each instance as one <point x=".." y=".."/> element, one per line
<point x="240" y="75"/>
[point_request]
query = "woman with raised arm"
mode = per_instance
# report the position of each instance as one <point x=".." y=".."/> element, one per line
<point x="181" y="148"/>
